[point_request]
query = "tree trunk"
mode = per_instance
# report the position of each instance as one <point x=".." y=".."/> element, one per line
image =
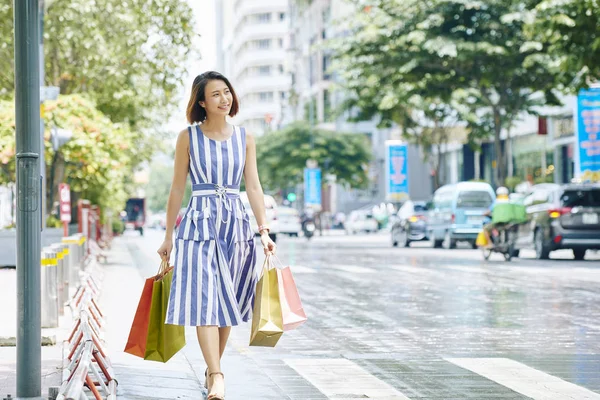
<point x="499" y="170"/>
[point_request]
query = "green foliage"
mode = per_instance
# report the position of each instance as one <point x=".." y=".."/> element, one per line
<point x="159" y="186"/>
<point x="571" y="29"/>
<point x="282" y="156"/>
<point x="418" y="63"/>
<point x="128" y="56"/>
<point x="99" y="160"/>
<point x="118" y="227"/>
<point x="53" y="222"/>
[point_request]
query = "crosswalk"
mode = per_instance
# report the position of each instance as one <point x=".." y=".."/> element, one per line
<point x="340" y="378"/>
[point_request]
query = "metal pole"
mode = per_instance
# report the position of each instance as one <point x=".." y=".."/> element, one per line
<point x="27" y="101"/>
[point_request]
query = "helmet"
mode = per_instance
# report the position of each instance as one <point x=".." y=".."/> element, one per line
<point x="502" y="191"/>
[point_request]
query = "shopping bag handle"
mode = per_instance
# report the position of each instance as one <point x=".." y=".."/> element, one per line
<point x="162" y="269"/>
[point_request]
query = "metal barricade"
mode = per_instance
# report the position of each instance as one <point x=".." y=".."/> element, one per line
<point x="63" y="276"/>
<point x="50" y="297"/>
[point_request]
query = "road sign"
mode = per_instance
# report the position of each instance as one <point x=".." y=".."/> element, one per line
<point x="312" y="187"/>
<point x="396" y="171"/>
<point x="588" y="134"/>
<point x="65" y="202"/>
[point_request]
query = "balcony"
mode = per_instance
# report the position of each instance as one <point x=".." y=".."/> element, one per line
<point x="251" y="84"/>
<point x="253" y="57"/>
<point x="250" y="32"/>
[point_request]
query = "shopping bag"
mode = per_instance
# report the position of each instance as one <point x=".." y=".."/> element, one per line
<point x="267" y="320"/>
<point x="291" y="305"/>
<point x="136" y="343"/>
<point x="164" y="341"/>
<point x="149" y="337"/>
<point x="482" y="239"/>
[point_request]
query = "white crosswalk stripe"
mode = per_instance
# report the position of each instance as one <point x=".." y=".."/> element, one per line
<point x="342" y="379"/>
<point x="525" y="380"/>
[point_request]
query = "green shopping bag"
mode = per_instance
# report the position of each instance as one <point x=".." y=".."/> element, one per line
<point x="164" y="341"/>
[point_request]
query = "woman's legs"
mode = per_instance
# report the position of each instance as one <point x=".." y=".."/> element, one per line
<point x="223" y="336"/>
<point x="210" y="344"/>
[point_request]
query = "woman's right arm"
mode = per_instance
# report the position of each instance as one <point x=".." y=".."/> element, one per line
<point x="182" y="162"/>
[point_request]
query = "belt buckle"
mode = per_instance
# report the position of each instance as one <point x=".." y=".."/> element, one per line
<point x="220" y="190"/>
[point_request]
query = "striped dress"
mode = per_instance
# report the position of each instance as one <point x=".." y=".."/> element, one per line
<point x="214" y="275"/>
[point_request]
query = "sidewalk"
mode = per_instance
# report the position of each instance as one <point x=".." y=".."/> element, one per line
<point x="183" y="376"/>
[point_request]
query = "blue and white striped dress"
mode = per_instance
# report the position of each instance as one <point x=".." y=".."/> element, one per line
<point x="214" y="276"/>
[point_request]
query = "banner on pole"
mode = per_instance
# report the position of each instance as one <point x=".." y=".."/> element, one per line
<point x="588" y="135"/>
<point x="396" y="168"/>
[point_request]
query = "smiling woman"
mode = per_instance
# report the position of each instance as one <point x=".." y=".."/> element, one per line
<point x="214" y="277"/>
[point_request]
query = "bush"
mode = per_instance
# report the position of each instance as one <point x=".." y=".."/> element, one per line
<point x="512" y="181"/>
<point x="53" y="222"/>
<point x="118" y="227"/>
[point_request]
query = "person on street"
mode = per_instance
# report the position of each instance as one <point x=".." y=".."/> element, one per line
<point x="214" y="278"/>
<point x="501" y="197"/>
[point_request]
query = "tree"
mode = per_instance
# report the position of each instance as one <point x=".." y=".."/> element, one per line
<point x="98" y="161"/>
<point x="128" y="57"/>
<point x="159" y="186"/>
<point x="571" y="28"/>
<point x="282" y="156"/>
<point x="470" y="55"/>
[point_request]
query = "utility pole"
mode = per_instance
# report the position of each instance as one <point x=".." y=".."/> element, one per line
<point x="29" y="205"/>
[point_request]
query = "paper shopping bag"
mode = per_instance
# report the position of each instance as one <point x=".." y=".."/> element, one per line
<point x="164" y="341"/>
<point x="136" y="343"/>
<point x="267" y="320"/>
<point x="291" y="305"/>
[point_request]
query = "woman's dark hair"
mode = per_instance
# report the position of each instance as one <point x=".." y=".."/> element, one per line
<point x="196" y="113"/>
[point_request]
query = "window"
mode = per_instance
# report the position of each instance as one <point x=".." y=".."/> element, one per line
<point x="263" y="70"/>
<point x="280" y="43"/>
<point x="265" y="96"/>
<point x="327" y="114"/>
<point x="474" y="199"/>
<point x="326" y="65"/>
<point x="262" y="44"/>
<point x="281" y="16"/>
<point x="580" y="198"/>
<point x="263" y="18"/>
<point x="280" y="68"/>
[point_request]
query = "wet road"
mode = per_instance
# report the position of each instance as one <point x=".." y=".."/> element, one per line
<point x="422" y="323"/>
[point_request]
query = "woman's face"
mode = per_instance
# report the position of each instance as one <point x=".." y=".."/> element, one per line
<point x="218" y="98"/>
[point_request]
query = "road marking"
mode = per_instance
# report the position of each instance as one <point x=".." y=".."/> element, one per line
<point x="342" y="379"/>
<point x="525" y="380"/>
<point x="302" y="270"/>
<point x="353" y="269"/>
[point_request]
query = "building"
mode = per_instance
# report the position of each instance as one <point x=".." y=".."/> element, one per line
<point x="543" y="149"/>
<point x="313" y="98"/>
<point x="252" y="55"/>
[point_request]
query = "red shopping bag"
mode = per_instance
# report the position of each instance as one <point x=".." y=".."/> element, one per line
<point x="136" y="343"/>
<point x="291" y="305"/>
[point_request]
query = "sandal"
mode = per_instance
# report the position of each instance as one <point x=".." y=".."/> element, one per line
<point x="215" y="396"/>
<point x="206" y="379"/>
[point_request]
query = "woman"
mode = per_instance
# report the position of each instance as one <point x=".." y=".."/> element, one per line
<point x="214" y="277"/>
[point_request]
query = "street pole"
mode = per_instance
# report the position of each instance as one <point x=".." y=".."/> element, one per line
<point x="27" y="101"/>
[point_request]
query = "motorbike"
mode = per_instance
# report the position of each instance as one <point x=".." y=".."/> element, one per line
<point x="308" y="228"/>
<point x="502" y="241"/>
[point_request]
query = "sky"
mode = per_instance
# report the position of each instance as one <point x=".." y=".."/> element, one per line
<point x="204" y="13"/>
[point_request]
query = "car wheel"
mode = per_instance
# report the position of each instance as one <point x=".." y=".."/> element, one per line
<point x="515" y="253"/>
<point x="394" y="240"/>
<point x="403" y="239"/>
<point x="579" y="254"/>
<point x="449" y="243"/>
<point x="436" y="244"/>
<point x="473" y="245"/>
<point x="542" y="252"/>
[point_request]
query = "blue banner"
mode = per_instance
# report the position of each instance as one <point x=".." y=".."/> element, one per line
<point x="396" y="161"/>
<point x="312" y="187"/>
<point x="588" y="134"/>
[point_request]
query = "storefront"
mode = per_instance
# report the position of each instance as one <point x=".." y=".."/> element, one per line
<point x="562" y="131"/>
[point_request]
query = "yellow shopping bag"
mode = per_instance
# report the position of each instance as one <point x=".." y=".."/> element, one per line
<point x="482" y="239"/>
<point x="267" y="319"/>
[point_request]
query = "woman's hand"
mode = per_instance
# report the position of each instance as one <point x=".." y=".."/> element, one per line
<point x="164" y="251"/>
<point x="268" y="245"/>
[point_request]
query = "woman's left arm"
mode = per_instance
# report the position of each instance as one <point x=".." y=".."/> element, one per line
<point x="255" y="193"/>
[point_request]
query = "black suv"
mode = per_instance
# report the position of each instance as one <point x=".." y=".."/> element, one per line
<point x="561" y="217"/>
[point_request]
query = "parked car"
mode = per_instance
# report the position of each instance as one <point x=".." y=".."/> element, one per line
<point x="361" y="221"/>
<point x="561" y="217"/>
<point x="410" y="224"/>
<point x="289" y="221"/>
<point x="271" y="211"/>
<point x="458" y="212"/>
